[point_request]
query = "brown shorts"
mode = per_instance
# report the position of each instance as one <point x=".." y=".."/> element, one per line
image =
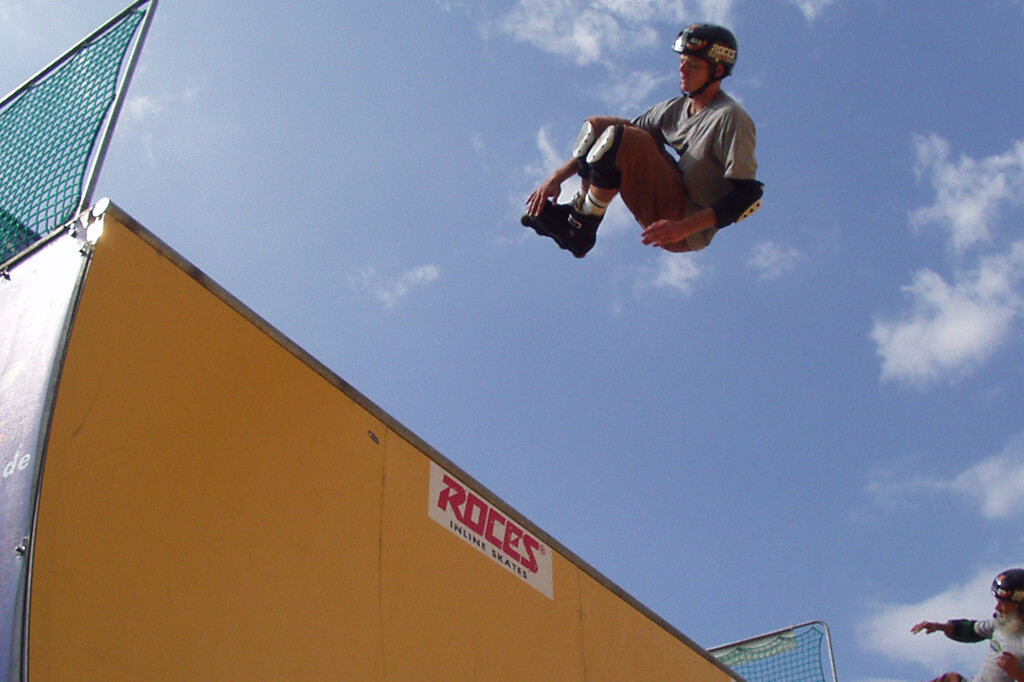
<point x="652" y="186"/>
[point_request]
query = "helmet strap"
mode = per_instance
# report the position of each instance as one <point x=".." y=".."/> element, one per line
<point x="699" y="90"/>
<point x="711" y="79"/>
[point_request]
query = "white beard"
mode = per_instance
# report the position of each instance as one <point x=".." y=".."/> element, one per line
<point x="1010" y="623"/>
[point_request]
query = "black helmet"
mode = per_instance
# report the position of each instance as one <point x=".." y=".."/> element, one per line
<point x="708" y="41"/>
<point x="1009" y="585"/>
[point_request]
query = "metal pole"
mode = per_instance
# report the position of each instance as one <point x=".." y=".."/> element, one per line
<point x="119" y="97"/>
<point x="831" y="657"/>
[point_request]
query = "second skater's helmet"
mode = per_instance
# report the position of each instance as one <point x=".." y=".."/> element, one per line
<point x="1009" y="586"/>
<point x="708" y="41"/>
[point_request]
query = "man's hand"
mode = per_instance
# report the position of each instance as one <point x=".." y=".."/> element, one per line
<point x="929" y="627"/>
<point x="550" y="189"/>
<point x="1010" y="665"/>
<point x="666" y="233"/>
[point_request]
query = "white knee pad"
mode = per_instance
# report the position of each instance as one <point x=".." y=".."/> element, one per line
<point x="585" y="141"/>
<point x="602" y="146"/>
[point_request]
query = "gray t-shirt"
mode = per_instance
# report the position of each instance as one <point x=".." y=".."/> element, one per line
<point x="713" y="145"/>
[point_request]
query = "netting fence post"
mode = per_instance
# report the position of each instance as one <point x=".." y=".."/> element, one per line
<point x="56" y="127"/>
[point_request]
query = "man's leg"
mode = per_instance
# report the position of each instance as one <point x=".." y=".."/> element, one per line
<point x="595" y="152"/>
<point x="623" y="159"/>
<point x="573" y="226"/>
<point x="615" y="157"/>
<point x="652" y="186"/>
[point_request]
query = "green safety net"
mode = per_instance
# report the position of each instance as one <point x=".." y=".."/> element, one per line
<point x="51" y="127"/>
<point x="796" y="655"/>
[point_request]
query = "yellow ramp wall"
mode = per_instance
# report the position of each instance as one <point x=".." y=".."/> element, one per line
<point x="217" y="505"/>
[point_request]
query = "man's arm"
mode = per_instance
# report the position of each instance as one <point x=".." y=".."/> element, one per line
<point x="959" y="630"/>
<point x="551" y="187"/>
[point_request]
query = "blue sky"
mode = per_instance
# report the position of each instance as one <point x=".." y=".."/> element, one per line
<point x="819" y="417"/>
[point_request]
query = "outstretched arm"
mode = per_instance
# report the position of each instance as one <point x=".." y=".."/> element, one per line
<point x="960" y="630"/>
<point x="928" y="627"/>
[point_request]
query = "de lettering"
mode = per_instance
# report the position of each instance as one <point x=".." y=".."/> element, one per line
<point x="19" y="463"/>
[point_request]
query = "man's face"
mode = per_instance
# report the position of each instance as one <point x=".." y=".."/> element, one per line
<point x="1008" y="613"/>
<point x="694" y="72"/>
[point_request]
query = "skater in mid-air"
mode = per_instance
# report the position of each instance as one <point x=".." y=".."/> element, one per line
<point x="680" y="202"/>
<point x="1004" y="662"/>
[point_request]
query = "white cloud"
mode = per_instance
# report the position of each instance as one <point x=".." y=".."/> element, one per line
<point x="631" y="92"/>
<point x="450" y="5"/>
<point x="955" y="325"/>
<point x="771" y="260"/>
<point x="952" y="328"/>
<point x="593" y="31"/>
<point x="886" y="628"/>
<point x="391" y="292"/>
<point x="476" y="141"/>
<point x="970" y="193"/>
<point x="140" y="107"/>
<point x="812" y="9"/>
<point x="566" y="29"/>
<point x="675" y="272"/>
<point x="994" y="485"/>
<point x="551" y="157"/>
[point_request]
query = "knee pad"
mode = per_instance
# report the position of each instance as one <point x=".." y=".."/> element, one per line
<point x="585" y="141"/>
<point x="583" y="144"/>
<point x="601" y="159"/>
